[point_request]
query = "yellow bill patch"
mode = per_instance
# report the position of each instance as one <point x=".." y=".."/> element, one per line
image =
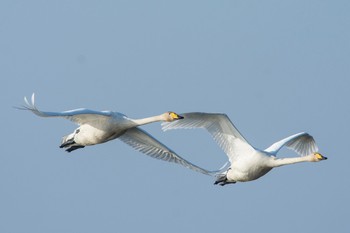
<point x="174" y="115"/>
<point x="318" y="156"/>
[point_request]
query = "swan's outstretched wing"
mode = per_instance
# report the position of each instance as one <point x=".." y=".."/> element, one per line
<point x="218" y="125"/>
<point x="302" y="143"/>
<point x="79" y="116"/>
<point x="145" y="143"/>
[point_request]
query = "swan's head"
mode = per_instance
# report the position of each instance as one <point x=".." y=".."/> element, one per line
<point x="172" y="116"/>
<point x="319" y="157"/>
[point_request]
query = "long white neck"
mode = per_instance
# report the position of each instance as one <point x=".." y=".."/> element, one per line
<point x="148" y="120"/>
<point x="277" y="162"/>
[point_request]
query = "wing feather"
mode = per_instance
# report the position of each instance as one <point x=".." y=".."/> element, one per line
<point x="301" y="143"/>
<point x="141" y="141"/>
<point x="79" y="116"/>
<point x="218" y="125"/>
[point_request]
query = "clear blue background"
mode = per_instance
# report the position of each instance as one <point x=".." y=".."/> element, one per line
<point x="275" y="67"/>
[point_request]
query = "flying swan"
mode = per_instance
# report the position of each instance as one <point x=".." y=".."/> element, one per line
<point x="96" y="127"/>
<point x="246" y="163"/>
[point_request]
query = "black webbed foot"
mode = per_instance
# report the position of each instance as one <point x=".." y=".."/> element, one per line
<point x="67" y="143"/>
<point x="222" y="180"/>
<point x="70" y="149"/>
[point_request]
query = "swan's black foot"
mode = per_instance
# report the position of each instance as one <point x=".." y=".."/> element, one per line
<point x="222" y="183"/>
<point x="70" y="145"/>
<point x="67" y="143"/>
<point x="222" y="180"/>
<point x="70" y="149"/>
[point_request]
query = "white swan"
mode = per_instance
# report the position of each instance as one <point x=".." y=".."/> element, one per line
<point x="97" y="127"/>
<point x="246" y="163"/>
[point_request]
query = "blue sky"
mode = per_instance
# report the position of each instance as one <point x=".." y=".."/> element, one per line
<point x="274" y="67"/>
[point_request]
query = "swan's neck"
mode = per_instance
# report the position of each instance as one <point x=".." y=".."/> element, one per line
<point x="277" y="162"/>
<point x="147" y="120"/>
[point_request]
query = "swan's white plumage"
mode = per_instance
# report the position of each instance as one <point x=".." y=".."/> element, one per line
<point x="101" y="126"/>
<point x="79" y="116"/>
<point x="142" y="141"/>
<point x="302" y="143"/>
<point x="246" y="163"/>
<point x="218" y="125"/>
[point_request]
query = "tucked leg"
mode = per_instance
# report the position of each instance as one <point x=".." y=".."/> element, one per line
<point x="70" y="149"/>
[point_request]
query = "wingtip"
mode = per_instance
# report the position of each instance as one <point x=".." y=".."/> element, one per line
<point x="26" y="100"/>
<point x="29" y="104"/>
<point x="33" y="98"/>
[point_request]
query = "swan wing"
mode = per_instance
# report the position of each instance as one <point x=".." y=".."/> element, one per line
<point x="217" y="124"/>
<point x="79" y="116"/>
<point x="302" y="143"/>
<point x="238" y="150"/>
<point x="141" y="141"/>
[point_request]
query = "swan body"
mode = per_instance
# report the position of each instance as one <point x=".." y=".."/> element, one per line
<point x="246" y="163"/>
<point x="96" y="127"/>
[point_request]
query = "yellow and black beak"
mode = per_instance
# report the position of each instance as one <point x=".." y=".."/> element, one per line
<point x="320" y="157"/>
<point x="176" y="116"/>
